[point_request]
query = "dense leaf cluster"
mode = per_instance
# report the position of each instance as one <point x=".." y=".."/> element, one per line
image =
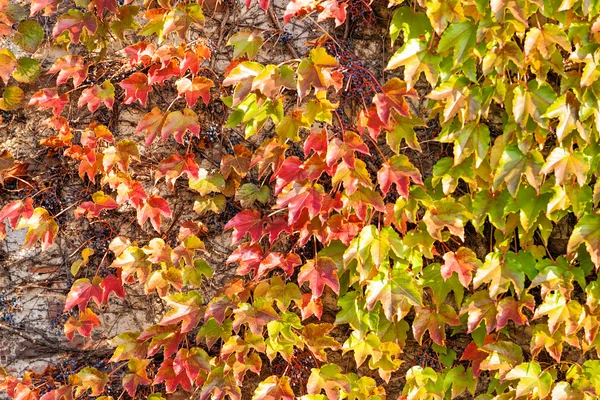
<point x="329" y="203"/>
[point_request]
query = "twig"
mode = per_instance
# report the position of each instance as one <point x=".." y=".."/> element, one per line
<point x="278" y="26"/>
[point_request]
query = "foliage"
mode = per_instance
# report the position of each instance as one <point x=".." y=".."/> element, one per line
<point x="348" y="218"/>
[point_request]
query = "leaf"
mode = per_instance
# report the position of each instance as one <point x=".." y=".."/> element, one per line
<point x="192" y="89"/>
<point x="565" y="108"/>
<point x="138" y="375"/>
<point x="416" y="57"/>
<point x="446" y="213"/>
<point x="27" y="70"/>
<point x="167" y="374"/>
<point x="499" y="273"/>
<point x="256" y="315"/>
<point x="398" y="170"/>
<point x="565" y="164"/>
<point x="318" y="71"/>
<point x="93" y="208"/>
<point x="194" y="362"/>
<point x="74" y="21"/>
<point x="154" y="208"/>
<point x="82" y="291"/>
<point x="403" y="128"/>
<point x="152" y="124"/>
<point x="245" y="42"/>
<point x="559" y="311"/>
<point x="435" y="322"/>
<point x="15" y="210"/>
<point x="464" y="261"/>
<point x="187" y="308"/>
<point x="532" y="381"/>
<point x="317" y="340"/>
<point x="69" y="67"/>
<point x="12" y="98"/>
<point x="127" y="347"/>
<point x="83" y="324"/>
<point x="442" y="12"/>
<point x="41" y="227"/>
<point x="174" y="166"/>
<point x="112" y="284"/>
<point x="460" y="36"/>
<point x="277" y="260"/>
<point x="96" y="95"/>
<point x="49" y="98"/>
<point x="29" y="35"/>
<point x="472" y="138"/>
<point x="392" y="98"/>
<point x="89" y="379"/>
<point x="395" y="290"/>
<point x="136" y="88"/>
<point x="587" y="231"/>
<point x="318" y="273"/>
<point x="274" y="388"/>
<point x="176" y="123"/>
<point x="289" y="127"/>
<point x="247" y="221"/>
<point x="329" y="378"/>
<point x="249" y="193"/>
<point x="545" y="41"/>
<point x="412" y="24"/>
<point x="480" y="308"/>
<point x="49" y="7"/>
<point x="120" y="155"/>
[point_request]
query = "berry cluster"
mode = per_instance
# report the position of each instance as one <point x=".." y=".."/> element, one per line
<point x="64" y="370"/>
<point x="284" y="38"/>
<point x="99" y="235"/>
<point x="9" y="304"/>
<point x="428" y="358"/>
<point x="298" y="369"/>
<point x="211" y="133"/>
<point x="6" y="116"/>
<point x="360" y="14"/>
<point x="57" y="321"/>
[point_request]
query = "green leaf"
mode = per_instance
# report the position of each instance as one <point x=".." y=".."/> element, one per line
<point x="12" y="98"/>
<point x="404" y="128"/>
<point x="587" y="231"/>
<point x="532" y="381"/>
<point x="245" y="42"/>
<point x="472" y="138"/>
<point x="27" y="70"/>
<point x="29" y="35"/>
<point x="461" y="37"/>
<point x="248" y="193"/>
<point x="416" y="57"/>
<point x="413" y="25"/>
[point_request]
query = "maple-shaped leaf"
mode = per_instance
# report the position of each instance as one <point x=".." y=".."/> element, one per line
<point x="166" y="373"/>
<point x="513" y="164"/>
<point x="587" y="231"/>
<point x="256" y="315"/>
<point x="435" y="322"/>
<point x="446" y="213"/>
<point x="398" y="170"/>
<point x="127" y="347"/>
<point x="329" y="378"/>
<point x="120" y="155"/>
<point x="168" y="337"/>
<point x="194" y="362"/>
<point x="290" y="125"/>
<point x="297" y="8"/>
<point x="93" y="96"/>
<point x="464" y="261"/>
<point x="416" y="56"/>
<point x="499" y="271"/>
<point x="192" y="89"/>
<point x="245" y="42"/>
<point x="395" y="290"/>
<point x="41" y="227"/>
<point x="319" y="71"/>
<point x="136" y="88"/>
<point x="15" y="210"/>
<point x="69" y="67"/>
<point x="502" y="356"/>
<point x="49" y="7"/>
<point x="154" y="208"/>
<point x="333" y="9"/>
<point x="187" y="308"/>
<point x="64" y="392"/>
<point x="274" y="388"/>
<point x="112" y="284"/>
<point x="237" y="164"/>
<point x="176" y="123"/>
<point x="277" y="260"/>
<point x="180" y="18"/>
<point x="174" y="166"/>
<point x="318" y="273"/>
<point x="89" y="379"/>
<point x="83" y="324"/>
<point x="545" y="40"/>
<point x="300" y="197"/>
<point x="510" y="308"/>
<point x="566" y="164"/>
<point x="403" y="128"/>
<point x="471" y="138"/>
<point x="392" y="98"/>
<point x="566" y="109"/>
<point x="542" y="339"/>
<point x="269" y="154"/>
<point x="220" y="384"/>
<point x="49" y="98"/>
<point x="82" y="291"/>
<point x="560" y="310"/>
<point x="247" y="221"/>
<point x="101" y="5"/>
<point x="137" y="376"/>
<point x="475" y="354"/>
<point x="531" y="102"/>
<point x="93" y="208"/>
<point x="460" y="36"/>
<point x="532" y="381"/>
<point x="152" y="124"/>
<point x="480" y="307"/>
<point x="74" y="22"/>
<point x="126" y="20"/>
<point x="362" y="346"/>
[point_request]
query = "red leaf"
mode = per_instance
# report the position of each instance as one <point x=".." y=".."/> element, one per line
<point x="475" y="355"/>
<point x="264" y="4"/>
<point x="192" y="362"/>
<point x="332" y="9"/>
<point x="49" y="98"/>
<point x="277" y="260"/>
<point x="256" y="315"/>
<point x="139" y="376"/>
<point x="511" y="309"/>
<point x="248" y="256"/>
<point x="319" y="273"/>
<point x="159" y="74"/>
<point x="101" y="5"/>
<point x="187" y="308"/>
<point x="83" y="324"/>
<point x="64" y="392"/>
<point x="463" y="262"/>
<point x="41" y="226"/>
<point x="300" y="197"/>
<point x="15" y="209"/>
<point x="192" y="89"/>
<point x="177" y="123"/>
<point x="140" y="52"/>
<point x="74" y="21"/>
<point x="153" y="208"/>
<point x="270" y="153"/>
<point x="112" y="284"/>
<point x="131" y="191"/>
<point x="94" y="208"/>
<point x="247" y="221"/>
<point x="95" y="95"/>
<point x="275" y="227"/>
<point x="69" y="67"/>
<point x="82" y="291"/>
<point x="167" y="374"/>
<point x="311" y="306"/>
<point x="291" y="170"/>
<point x="168" y="337"/>
<point x="316" y="141"/>
<point x="152" y="124"/>
<point x="49" y="7"/>
<point x="136" y="88"/>
<point x="392" y="98"/>
<point x="398" y="170"/>
<point x="174" y="166"/>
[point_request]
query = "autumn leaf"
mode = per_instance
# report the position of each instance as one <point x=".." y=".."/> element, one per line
<point x="49" y="98"/>
<point x="74" y="22"/>
<point x="193" y="362"/>
<point x="154" y="208"/>
<point x="89" y="379"/>
<point x="247" y="221"/>
<point x="69" y="67"/>
<point x="446" y="213"/>
<point x="152" y="124"/>
<point x="464" y="261"/>
<point x="41" y="227"/>
<point x="93" y="96"/>
<point x="256" y="315"/>
<point x="587" y="231"/>
<point x="83" y="324"/>
<point x="175" y="166"/>
<point x="137" y="376"/>
<point x="566" y="164"/>
<point x="416" y="57"/>
<point x="473" y="138"/>
<point x="274" y="388"/>
<point x="245" y="42"/>
<point x="435" y="322"/>
<point x="329" y="378"/>
<point x="499" y="273"/>
<point x="176" y="123"/>
<point x="136" y="88"/>
<point x="29" y="35"/>
<point x="187" y="308"/>
<point x="192" y="89"/>
<point x="318" y="71"/>
<point x="532" y="381"/>
<point x="167" y="374"/>
<point x="392" y="98"/>
<point x="318" y="273"/>
<point x="398" y="170"/>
